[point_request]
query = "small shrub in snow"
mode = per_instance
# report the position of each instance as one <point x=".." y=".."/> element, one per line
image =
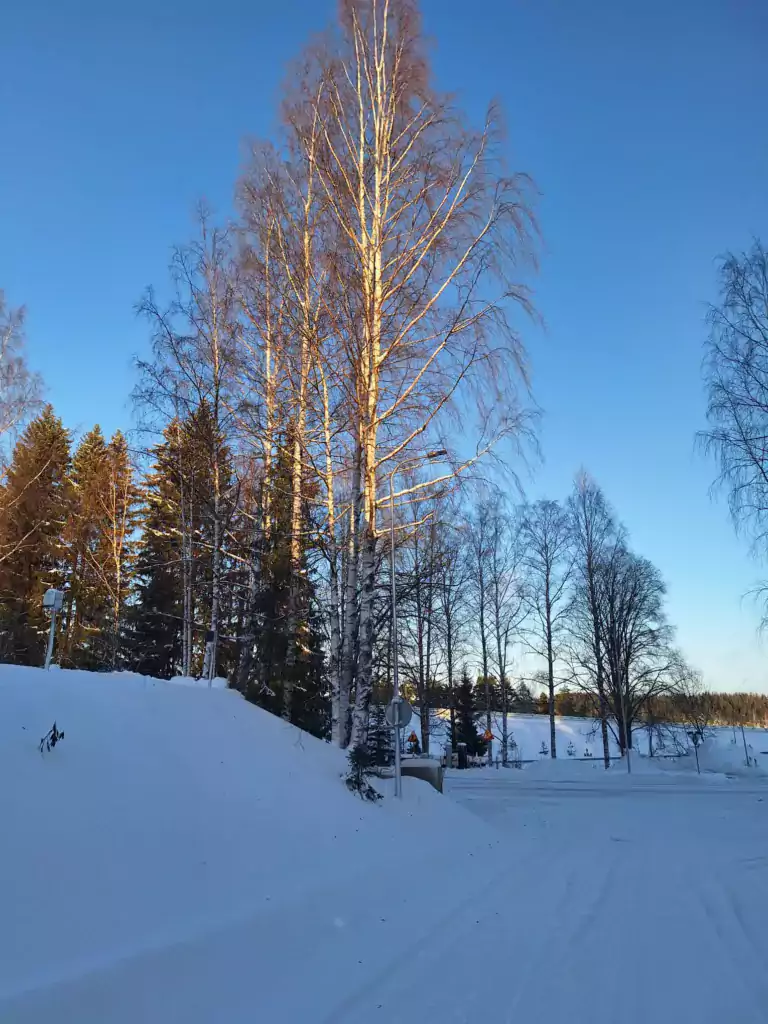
<point x="544" y="752"/>
<point x="587" y="752"/>
<point x="51" y="738"/>
<point x="571" y="750"/>
<point x="360" y="767"/>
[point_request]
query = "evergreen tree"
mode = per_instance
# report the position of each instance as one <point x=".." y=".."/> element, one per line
<point x="380" y="737"/>
<point x="113" y="559"/>
<point x="81" y="536"/>
<point x="466" y="717"/>
<point x="524" y="701"/>
<point x="271" y="664"/>
<point x="171" y="616"/>
<point x="101" y="530"/>
<point x="34" y="506"/>
<point x="155" y="618"/>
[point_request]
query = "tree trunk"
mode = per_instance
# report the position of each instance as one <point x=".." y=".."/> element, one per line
<point x="550" y="672"/>
<point x="212" y="644"/>
<point x="351" y="630"/>
<point x="365" y="664"/>
<point x="250" y="616"/>
<point x="449" y="665"/>
<point x="484" y="652"/>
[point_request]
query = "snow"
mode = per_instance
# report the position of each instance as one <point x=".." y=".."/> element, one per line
<point x="720" y="753"/>
<point x="182" y="855"/>
<point x="180" y="845"/>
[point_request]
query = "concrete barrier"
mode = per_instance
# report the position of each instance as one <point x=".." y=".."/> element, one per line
<point x="424" y="768"/>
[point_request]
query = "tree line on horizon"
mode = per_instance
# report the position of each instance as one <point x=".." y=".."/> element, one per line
<point x="339" y="365"/>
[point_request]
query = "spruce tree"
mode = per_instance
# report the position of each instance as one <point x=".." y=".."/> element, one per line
<point x="174" y="564"/>
<point x="155" y="618"/>
<point x="466" y="717"/>
<point x="113" y="558"/>
<point x="34" y="506"/>
<point x="80" y="618"/>
<point x="101" y="529"/>
<point x="271" y="665"/>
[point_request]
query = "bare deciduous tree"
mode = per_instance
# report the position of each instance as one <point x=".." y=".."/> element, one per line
<point x="507" y="601"/>
<point x="548" y="561"/>
<point x="195" y="344"/>
<point x="593" y="531"/>
<point x="736" y="372"/>
<point x="636" y="639"/>
<point x="479" y="546"/>
<point x="20" y="388"/>
<point x="429" y="230"/>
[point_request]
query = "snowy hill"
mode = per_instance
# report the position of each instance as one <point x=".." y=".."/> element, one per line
<point x="183" y="855"/>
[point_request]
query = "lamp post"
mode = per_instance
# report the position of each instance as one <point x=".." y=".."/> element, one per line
<point x="396" y="698"/>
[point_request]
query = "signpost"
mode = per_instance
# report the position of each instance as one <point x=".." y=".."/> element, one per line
<point x="398" y="714"/>
<point x="54" y="601"/>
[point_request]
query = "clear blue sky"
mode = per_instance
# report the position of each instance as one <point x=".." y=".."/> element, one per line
<point x="643" y="124"/>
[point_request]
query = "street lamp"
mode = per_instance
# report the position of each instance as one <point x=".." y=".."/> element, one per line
<point x="396" y="698"/>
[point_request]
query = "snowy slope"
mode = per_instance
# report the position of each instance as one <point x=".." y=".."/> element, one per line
<point x="174" y="854"/>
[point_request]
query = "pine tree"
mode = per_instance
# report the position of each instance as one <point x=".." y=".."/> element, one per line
<point x="466" y="717"/>
<point x="34" y="506"/>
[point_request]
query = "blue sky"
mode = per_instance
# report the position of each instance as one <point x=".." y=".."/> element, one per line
<point x="643" y="125"/>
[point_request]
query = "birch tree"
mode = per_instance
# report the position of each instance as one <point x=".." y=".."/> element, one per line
<point x="736" y="375"/>
<point x="636" y="639"/>
<point x="20" y="388"/>
<point x="452" y="596"/>
<point x="479" y="546"/>
<point x="430" y="230"/>
<point x="507" y="601"/>
<point x="548" y="566"/>
<point x="594" y="531"/>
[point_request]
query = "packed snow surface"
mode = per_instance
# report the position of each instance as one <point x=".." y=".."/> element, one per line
<point x="182" y="855"/>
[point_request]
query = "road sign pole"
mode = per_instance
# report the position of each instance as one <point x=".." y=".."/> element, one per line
<point x="395" y="676"/>
<point x="398" y="769"/>
<point x="49" y="652"/>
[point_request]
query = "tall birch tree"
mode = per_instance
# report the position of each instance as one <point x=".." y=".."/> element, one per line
<point x="430" y="232"/>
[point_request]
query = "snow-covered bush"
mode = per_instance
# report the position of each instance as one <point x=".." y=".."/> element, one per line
<point x="360" y="767"/>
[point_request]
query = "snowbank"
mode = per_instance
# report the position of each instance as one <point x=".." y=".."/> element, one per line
<point x="180" y="852"/>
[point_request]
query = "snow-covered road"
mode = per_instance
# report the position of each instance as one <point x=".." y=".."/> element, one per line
<point x="622" y="900"/>
<point x="640" y="900"/>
